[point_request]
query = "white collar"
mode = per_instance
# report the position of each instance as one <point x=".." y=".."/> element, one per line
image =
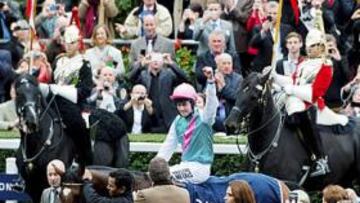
<point x="149" y="9"/>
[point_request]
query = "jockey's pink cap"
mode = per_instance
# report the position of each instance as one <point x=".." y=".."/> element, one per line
<point x="184" y="91"/>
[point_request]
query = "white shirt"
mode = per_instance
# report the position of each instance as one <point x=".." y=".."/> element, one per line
<point x="137" y="127"/>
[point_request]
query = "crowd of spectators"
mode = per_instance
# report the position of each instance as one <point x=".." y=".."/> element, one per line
<point x="235" y="37"/>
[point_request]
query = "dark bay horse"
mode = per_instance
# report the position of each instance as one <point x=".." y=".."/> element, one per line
<point x="266" y="189"/>
<point x="276" y="149"/>
<point x="42" y="136"/>
<point x="72" y="182"/>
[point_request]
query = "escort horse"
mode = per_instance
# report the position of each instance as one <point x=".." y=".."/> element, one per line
<point x="276" y="149"/>
<point x="266" y="189"/>
<point x="43" y="134"/>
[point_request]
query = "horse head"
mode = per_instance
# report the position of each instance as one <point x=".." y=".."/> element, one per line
<point x="72" y="183"/>
<point x="249" y="96"/>
<point x="28" y="103"/>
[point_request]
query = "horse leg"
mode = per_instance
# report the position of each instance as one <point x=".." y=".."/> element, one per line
<point x="103" y="153"/>
<point x="122" y="150"/>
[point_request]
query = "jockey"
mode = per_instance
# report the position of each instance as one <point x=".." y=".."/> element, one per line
<point x="193" y="131"/>
<point x="73" y="78"/>
<point x="304" y="90"/>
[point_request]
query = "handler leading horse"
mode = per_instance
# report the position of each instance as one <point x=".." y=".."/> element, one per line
<point x="42" y="135"/>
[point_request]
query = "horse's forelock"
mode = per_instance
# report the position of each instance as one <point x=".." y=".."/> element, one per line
<point x="25" y="78"/>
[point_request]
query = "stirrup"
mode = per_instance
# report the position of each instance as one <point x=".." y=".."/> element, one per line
<point x="322" y="168"/>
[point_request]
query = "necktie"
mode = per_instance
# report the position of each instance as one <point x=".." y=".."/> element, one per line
<point x="6" y="33"/>
<point x="149" y="48"/>
<point x="53" y="195"/>
<point x="214" y="25"/>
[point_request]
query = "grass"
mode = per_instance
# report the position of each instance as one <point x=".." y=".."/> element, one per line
<point x="145" y="138"/>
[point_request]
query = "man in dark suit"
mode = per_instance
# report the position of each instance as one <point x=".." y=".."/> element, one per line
<point x="263" y="39"/>
<point x="207" y="59"/>
<point x="138" y="112"/>
<point x="151" y="42"/>
<point x="51" y="194"/>
<point x="160" y="75"/>
<point x="227" y="84"/>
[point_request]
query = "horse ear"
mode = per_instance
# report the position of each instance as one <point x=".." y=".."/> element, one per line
<point x="265" y="75"/>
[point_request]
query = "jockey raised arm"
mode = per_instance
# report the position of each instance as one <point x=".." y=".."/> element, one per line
<point x="193" y="131"/>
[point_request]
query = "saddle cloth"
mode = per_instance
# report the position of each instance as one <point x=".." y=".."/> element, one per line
<point x="266" y="188"/>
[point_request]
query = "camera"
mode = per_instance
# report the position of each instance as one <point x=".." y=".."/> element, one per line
<point x="106" y="86"/>
<point x="269" y="18"/>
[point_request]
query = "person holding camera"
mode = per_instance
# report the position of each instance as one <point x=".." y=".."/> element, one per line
<point x="263" y="39"/>
<point x="138" y="112"/>
<point x="187" y="24"/>
<point x="208" y="23"/>
<point x="160" y="75"/>
<point x="341" y="74"/>
<point x="105" y="94"/>
<point x="46" y="20"/>
<point x="152" y="41"/>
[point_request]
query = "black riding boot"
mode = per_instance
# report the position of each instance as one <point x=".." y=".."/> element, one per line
<point x="76" y="128"/>
<point x="313" y="140"/>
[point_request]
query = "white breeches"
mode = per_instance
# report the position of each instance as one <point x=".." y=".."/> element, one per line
<point x="193" y="172"/>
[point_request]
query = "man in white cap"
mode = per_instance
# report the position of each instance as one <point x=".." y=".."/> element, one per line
<point x="305" y="90"/>
<point x="73" y="78"/>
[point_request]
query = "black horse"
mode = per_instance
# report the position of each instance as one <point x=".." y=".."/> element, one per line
<point x="275" y="148"/>
<point x="42" y="136"/>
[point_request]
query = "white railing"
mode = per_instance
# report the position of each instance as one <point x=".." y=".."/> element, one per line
<point x="141" y="147"/>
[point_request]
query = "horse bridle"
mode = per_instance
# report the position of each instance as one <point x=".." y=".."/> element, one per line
<point x="255" y="158"/>
<point x="50" y="136"/>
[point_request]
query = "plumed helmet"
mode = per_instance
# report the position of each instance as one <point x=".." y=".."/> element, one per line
<point x="315" y="36"/>
<point x="184" y="91"/>
<point x="72" y="34"/>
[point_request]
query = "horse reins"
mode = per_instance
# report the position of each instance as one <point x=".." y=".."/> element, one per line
<point x="255" y="158"/>
<point x="47" y="143"/>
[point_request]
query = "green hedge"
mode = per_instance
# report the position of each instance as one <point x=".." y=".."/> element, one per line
<point x="223" y="164"/>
